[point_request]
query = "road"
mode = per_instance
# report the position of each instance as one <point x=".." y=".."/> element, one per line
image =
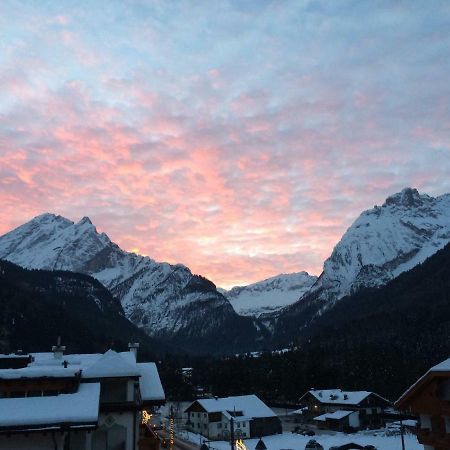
<point x="178" y="443"/>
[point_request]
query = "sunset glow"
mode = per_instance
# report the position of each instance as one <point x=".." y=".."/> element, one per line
<point x="240" y="138"/>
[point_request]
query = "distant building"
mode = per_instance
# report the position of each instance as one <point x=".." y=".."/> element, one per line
<point x="429" y="398"/>
<point x="75" y="402"/>
<point x="251" y="417"/>
<point x="340" y="410"/>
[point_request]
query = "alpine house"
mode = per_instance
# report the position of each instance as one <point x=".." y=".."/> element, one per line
<point x="77" y="401"/>
<point x="247" y="415"/>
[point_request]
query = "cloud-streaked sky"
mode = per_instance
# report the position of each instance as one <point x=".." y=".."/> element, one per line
<point x="238" y="137"/>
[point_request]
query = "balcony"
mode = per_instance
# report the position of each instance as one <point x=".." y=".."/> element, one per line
<point x="435" y="439"/>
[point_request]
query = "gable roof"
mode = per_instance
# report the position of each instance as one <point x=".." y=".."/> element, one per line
<point x="250" y="405"/>
<point x="440" y="370"/>
<point x="336" y="415"/>
<point x="111" y="364"/>
<point x="339" y="397"/>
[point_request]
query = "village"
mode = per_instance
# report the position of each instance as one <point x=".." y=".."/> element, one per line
<point x="111" y="401"/>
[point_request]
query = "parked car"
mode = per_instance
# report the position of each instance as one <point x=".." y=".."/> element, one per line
<point x="313" y="445"/>
<point x="308" y="433"/>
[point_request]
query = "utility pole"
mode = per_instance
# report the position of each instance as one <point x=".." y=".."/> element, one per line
<point x="171" y="428"/>
<point x="232" y="432"/>
<point x="401" y="431"/>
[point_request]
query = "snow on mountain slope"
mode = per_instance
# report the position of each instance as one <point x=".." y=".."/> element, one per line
<point x="163" y="299"/>
<point x="269" y="295"/>
<point x="384" y="242"/>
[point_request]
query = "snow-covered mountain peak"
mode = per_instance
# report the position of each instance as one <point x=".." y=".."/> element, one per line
<point x="386" y="241"/>
<point x="164" y="299"/>
<point x="269" y="295"/>
<point x="408" y="197"/>
<point x="85" y="221"/>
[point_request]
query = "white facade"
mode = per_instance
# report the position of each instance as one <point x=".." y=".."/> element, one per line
<point x="199" y="423"/>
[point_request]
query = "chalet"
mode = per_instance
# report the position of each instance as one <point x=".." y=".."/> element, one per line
<point x="77" y="401"/>
<point x="429" y="398"/>
<point x="249" y="416"/>
<point x="341" y="410"/>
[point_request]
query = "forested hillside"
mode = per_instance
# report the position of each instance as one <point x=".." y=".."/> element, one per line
<point x="36" y="306"/>
<point x="379" y="339"/>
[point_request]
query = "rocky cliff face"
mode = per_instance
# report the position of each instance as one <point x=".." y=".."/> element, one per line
<point x="381" y="244"/>
<point x="386" y="241"/>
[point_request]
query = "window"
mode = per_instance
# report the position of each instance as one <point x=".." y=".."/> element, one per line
<point x="204" y="415"/>
<point x="238" y="424"/>
<point x="244" y="424"/>
<point x="425" y="421"/>
<point x="204" y="426"/>
<point x="198" y="414"/>
<point x="219" y="425"/>
<point x="198" y="425"/>
<point x="447" y="424"/>
<point x="34" y="393"/>
<point x="112" y="391"/>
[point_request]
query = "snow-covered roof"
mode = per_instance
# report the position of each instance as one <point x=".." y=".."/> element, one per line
<point x="339" y="397"/>
<point x="336" y="415"/>
<point x="79" y="408"/>
<point x="250" y="405"/>
<point x="93" y="366"/>
<point x="13" y="356"/>
<point x="299" y="411"/>
<point x="150" y="383"/>
<point x="39" y="372"/>
<point x="443" y="366"/>
<point x="111" y="364"/>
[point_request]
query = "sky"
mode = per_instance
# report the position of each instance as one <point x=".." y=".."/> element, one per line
<point x="241" y="138"/>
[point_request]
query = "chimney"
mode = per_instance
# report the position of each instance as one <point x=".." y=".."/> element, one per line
<point x="133" y="347"/>
<point x="58" y="349"/>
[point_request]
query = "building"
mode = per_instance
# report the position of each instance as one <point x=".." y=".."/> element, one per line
<point x="429" y="398"/>
<point x="75" y="402"/>
<point x="341" y="410"/>
<point x="251" y="417"/>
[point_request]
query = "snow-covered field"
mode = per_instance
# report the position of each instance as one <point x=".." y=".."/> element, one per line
<point x="290" y="441"/>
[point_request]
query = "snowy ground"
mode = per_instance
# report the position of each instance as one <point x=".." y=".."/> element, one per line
<point x="290" y="441"/>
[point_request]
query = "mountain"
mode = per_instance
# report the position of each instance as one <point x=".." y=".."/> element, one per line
<point x="380" y="245"/>
<point x="269" y="295"/>
<point x="166" y="301"/>
<point x="37" y="306"/>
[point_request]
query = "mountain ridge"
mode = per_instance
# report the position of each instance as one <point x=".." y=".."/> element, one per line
<point x="158" y="297"/>
<point x="269" y="295"/>
<point x="382" y="243"/>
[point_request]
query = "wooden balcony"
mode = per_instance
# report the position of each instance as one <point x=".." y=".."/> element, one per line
<point x="435" y="439"/>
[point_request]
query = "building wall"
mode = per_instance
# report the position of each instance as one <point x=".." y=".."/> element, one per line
<point x="432" y="404"/>
<point x="33" y="441"/>
<point x="353" y="420"/>
<point x="265" y="426"/>
<point x="116" y="429"/>
<point x="199" y="422"/>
